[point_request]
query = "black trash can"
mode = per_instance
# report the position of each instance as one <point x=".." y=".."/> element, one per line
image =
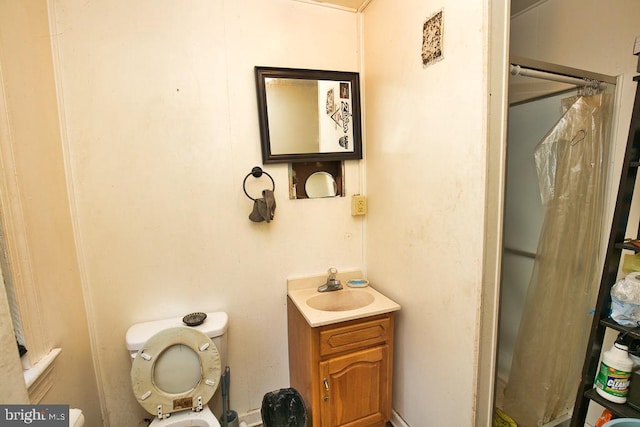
<point x="283" y="408"/>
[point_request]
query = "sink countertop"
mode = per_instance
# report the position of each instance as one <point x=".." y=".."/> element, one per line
<point x="302" y="289"/>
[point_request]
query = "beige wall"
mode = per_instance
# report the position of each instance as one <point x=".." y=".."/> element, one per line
<point x="161" y="115"/>
<point x="31" y="137"/>
<point x="426" y="168"/>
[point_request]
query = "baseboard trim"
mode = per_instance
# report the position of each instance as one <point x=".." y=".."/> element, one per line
<point x="397" y="421"/>
<point x="253" y="418"/>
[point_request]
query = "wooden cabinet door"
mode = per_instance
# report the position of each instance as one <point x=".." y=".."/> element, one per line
<point x="355" y="389"/>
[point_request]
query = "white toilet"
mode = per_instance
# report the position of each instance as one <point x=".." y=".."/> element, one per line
<point x="76" y="418"/>
<point x="176" y="368"/>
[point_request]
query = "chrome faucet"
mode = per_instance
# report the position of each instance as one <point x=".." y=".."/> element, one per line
<point x="332" y="284"/>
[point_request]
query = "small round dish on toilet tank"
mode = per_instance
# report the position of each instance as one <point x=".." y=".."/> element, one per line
<point x="194" y="319"/>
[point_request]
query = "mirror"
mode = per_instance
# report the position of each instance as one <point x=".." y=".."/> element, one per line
<point x="308" y="115"/>
<point x="320" y="184"/>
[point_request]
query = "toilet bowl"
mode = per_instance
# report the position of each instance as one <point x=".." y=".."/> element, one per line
<point x="176" y="369"/>
<point x="204" y="418"/>
<point x="76" y="419"/>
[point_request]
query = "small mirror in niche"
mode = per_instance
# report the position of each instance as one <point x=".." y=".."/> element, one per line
<point x="320" y="184"/>
<point x="312" y="180"/>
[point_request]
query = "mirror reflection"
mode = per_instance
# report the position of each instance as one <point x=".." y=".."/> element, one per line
<point x="308" y="115"/>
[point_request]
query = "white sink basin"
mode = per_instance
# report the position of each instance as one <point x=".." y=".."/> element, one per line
<point x="325" y="308"/>
<point x="341" y="301"/>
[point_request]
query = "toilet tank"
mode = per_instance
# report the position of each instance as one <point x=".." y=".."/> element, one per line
<point x="214" y="326"/>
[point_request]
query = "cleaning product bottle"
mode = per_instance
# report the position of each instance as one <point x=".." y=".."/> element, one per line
<point x="604" y="418"/>
<point x="612" y="381"/>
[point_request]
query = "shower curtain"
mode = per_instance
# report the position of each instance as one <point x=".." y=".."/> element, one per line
<point x="571" y="161"/>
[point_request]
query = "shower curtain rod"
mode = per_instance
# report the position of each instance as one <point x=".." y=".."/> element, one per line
<point x="517" y="70"/>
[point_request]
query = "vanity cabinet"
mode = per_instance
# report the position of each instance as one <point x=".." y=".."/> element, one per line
<point x="342" y="370"/>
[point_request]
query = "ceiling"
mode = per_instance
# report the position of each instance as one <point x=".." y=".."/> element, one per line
<point x="354" y="5"/>
<point x="351" y="4"/>
<point x="517" y="6"/>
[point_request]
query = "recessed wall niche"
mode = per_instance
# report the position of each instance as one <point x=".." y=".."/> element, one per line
<point x="313" y="180"/>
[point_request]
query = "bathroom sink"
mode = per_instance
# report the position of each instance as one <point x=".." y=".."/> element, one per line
<point x="326" y="308"/>
<point x="340" y="300"/>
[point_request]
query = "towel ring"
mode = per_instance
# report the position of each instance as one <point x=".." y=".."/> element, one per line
<point x="257" y="172"/>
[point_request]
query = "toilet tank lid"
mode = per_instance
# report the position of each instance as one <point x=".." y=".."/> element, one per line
<point x="214" y="325"/>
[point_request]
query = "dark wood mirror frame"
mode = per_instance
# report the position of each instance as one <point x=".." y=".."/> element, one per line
<point x="263" y="73"/>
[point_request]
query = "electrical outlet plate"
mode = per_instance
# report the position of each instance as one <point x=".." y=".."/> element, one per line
<point x="358" y="205"/>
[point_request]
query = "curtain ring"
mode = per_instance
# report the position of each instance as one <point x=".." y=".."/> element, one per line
<point x="256" y="172"/>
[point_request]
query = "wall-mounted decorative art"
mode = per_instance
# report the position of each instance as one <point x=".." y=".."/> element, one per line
<point x="432" y="35"/>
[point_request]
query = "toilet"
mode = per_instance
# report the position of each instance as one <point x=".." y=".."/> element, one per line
<point x="76" y="418"/>
<point x="176" y="369"/>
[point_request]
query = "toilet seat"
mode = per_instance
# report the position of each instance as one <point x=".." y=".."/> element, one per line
<point x="144" y="376"/>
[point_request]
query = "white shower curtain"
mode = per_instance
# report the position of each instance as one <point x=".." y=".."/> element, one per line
<point x="554" y="330"/>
